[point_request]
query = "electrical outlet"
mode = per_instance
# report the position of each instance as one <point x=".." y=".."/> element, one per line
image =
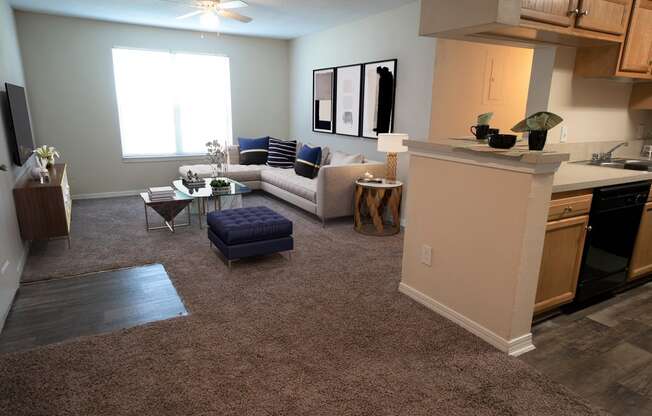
<point x="4" y="267"/>
<point x="563" y="136"/>
<point x="426" y="255"/>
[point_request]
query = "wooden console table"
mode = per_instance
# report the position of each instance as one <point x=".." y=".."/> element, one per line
<point x="371" y="201"/>
<point x="44" y="209"/>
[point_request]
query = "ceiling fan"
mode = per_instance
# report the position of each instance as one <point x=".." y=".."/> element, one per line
<point x="210" y="11"/>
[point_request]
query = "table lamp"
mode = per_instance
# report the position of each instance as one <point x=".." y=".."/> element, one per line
<point x="392" y="144"/>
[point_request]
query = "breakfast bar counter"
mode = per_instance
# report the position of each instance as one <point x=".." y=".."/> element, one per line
<point x="476" y="221"/>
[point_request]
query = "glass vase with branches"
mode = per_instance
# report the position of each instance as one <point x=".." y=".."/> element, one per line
<point x="216" y="154"/>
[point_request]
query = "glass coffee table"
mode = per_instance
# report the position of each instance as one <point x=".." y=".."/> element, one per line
<point x="203" y="195"/>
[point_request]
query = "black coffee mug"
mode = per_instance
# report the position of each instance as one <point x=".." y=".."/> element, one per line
<point x="481" y="131"/>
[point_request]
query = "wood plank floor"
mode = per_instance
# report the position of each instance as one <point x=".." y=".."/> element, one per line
<point x="603" y="353"/>
<point x="58" y="310"/>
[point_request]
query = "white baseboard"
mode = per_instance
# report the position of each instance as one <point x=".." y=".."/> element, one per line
<point x="4" y="314"/>
<point x="107" y="194"/>
<point x="514" y="347"/>
<point x="19" y="269"/>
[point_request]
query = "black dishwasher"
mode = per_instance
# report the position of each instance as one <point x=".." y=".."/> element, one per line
<point x="613" y="225"/>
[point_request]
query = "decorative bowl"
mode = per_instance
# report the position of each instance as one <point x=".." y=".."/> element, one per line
<point x="502" y="141"/>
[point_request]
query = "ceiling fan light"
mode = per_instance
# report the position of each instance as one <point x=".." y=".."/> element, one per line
<point x="209" y="20"/>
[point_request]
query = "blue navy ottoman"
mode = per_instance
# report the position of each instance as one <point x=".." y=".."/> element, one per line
<point x="247" y="232"/>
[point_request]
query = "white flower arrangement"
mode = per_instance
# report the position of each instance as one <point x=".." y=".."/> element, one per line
<point x="47" y="154"/>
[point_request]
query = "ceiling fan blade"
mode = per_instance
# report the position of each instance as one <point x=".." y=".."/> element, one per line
<point x="233" y="15"/>
<point x="233" y="4"/>
<point x="185" y="16"/>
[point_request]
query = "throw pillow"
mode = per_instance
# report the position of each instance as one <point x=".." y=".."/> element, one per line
<point x="282" y="154"/>
<point x="308" y="161"/>
<point x="341" y="158"/>
<point x="325" y="156"/>
<point x="253" y="151"/>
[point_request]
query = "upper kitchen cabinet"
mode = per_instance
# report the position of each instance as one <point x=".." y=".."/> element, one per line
<point x="605" y="16"/>
<point x="637" y="53"/>
<point x="641" y="98"/>
<point x="554" y="12"/>
<point x="631" y="59"/>
<point x="528" y="22"/>
<point x="608" y="16"/>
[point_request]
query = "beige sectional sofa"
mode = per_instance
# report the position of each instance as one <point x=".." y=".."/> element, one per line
<point x="329" y="195"/>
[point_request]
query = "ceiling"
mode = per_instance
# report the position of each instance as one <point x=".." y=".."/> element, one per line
<point x="284" y="19"/>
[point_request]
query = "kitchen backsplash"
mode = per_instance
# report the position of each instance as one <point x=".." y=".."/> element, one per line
<point x="584" y="150"/>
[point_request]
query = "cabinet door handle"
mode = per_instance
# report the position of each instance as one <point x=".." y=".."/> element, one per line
<point x="589" y="228"/>
<point x="568" y="209"/>
<point x="583" y="13"/>
<point x="574" y="12"/>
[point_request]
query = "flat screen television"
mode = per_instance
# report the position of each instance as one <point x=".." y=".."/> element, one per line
<point x="22" y="142"/>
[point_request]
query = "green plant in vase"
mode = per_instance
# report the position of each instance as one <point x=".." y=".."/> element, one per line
<point x="220" y="185"/>
<point x="537" y="126"/>
<point x="47" y="155"/>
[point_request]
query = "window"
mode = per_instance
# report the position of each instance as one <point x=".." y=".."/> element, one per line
<point x="171" y="104"/>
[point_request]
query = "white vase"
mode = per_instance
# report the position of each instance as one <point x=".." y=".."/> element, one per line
<point x="35" y="172"/>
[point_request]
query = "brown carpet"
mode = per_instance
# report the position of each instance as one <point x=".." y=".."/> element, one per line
<point x="325" y="334"/>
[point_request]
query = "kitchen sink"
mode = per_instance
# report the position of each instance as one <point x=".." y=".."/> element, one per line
<point x="618" y="163"/>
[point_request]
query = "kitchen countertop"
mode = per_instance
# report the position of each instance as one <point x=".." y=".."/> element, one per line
<point x="519" y="153"/>
<point x="575" y="176"/>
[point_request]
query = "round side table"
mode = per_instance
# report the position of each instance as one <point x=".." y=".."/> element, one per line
<point x="371" y="202"/>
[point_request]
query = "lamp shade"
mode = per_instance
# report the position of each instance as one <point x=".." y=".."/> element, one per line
<point x="392" y="143"/>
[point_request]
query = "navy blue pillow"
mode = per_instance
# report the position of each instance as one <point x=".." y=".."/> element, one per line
<point x="308" y="161"/>
<point x="253" y="151"/>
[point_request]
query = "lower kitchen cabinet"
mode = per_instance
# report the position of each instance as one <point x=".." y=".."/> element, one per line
<point x="641" y="263"/>
<point x="560" y="265"/>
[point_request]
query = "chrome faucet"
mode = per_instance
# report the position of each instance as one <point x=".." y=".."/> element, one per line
<point x="608" y="155"/>
<point x="646" y="152"/>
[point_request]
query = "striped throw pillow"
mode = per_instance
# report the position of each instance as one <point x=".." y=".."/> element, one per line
<point x="308" y="161"/>
<point x="282" y="154"/>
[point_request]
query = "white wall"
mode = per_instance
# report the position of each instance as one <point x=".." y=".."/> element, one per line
<point x="12" y="248"/>
<point x="475" y="78"/>
<point x="594" y="110"/>
<point x="392" y="34"/>
<point x="69" y="69"/>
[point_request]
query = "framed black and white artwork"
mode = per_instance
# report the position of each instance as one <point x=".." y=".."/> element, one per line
<point x="323" y="102"/>
<point x="347" y="100"/>
<point x="379" y="98"/>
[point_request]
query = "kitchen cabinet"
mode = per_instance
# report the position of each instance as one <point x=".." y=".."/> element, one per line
<point x="637" y="52"/>
<point x="608" y="16"/>
<point x="562" y="250"/>
<point x="631" y="59"/>
<point x="554" y="12"/>
<point x="578" y="23"/>
<point x="641" y="98"/>
<point x="641" y="263"/>
<point x="560" y="267"/>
